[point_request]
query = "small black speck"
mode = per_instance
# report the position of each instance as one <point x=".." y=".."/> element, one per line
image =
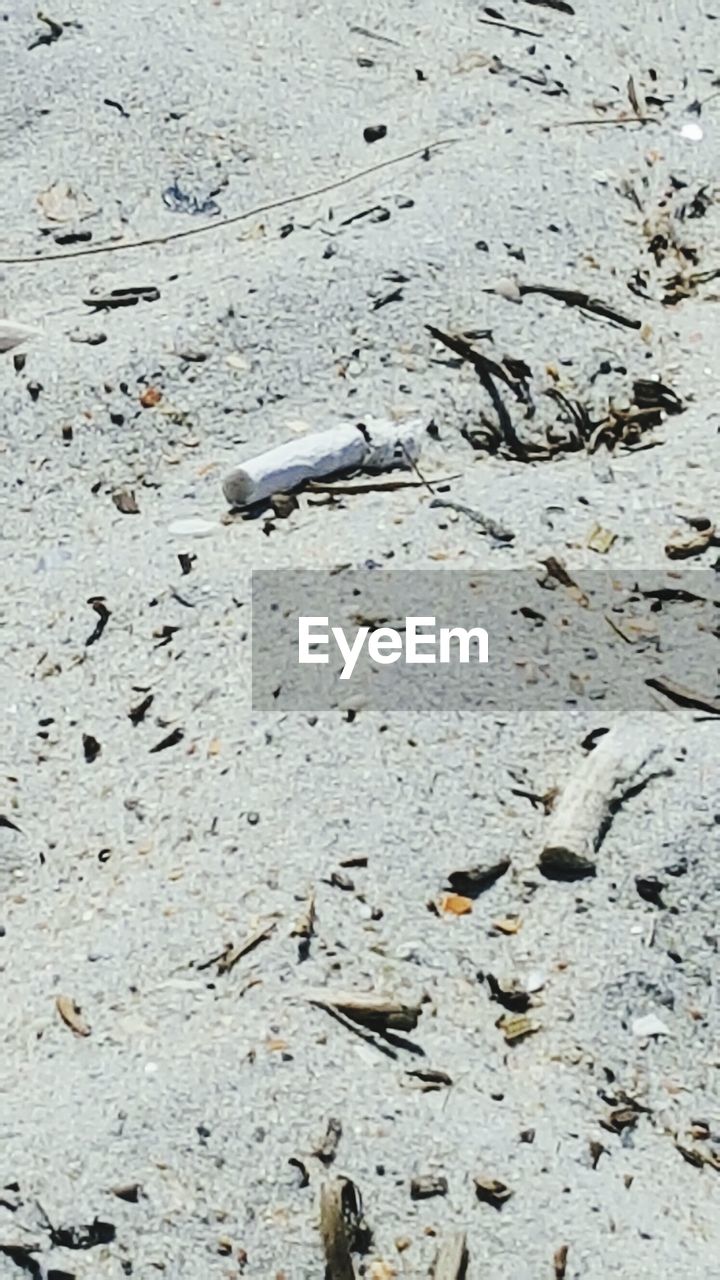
<point x="91" y="747"/>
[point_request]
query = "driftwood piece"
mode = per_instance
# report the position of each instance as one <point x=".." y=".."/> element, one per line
<point x="13" y="334"/>
<point x="374" y="445"/>
<point x="338" y="1263"/>
<point x="492" y="1191"/>
<point x="373" y="1010"/>
<point x="452" y="1258"/>
<point x="427" y="1185"/>
<point x="623" y="762"/>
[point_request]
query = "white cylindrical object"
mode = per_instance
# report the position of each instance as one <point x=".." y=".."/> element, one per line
<point x="379" y="446"/>
<point x="624" y="760"/>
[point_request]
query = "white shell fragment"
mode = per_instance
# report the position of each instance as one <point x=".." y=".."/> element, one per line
<point x="13" y="334"/>
<point x="378" y="446"/>
<point x="692" y="132"/>
<point x="192" y="527"/>
<point x="650" y="1025"/>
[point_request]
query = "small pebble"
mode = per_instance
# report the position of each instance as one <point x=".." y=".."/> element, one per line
<point x="650" y="1025"/>
<point x="374" y="132"/>
<point x="692" y="132"/>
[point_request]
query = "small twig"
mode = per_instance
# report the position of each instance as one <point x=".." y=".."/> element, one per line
<point x="229" y="956"/>
<point x="414" y="467"/>
<point x="377" y="1012"/>
<point x="683" y="696"/>
<point x="637" y="105"/>
<point x="559" y="124"/>
<point x="219" y="224"/>
<point x="367" y="1036"/>
<point x="483" y="364"/>
<point x="487" y="371"/>
<point x="511" y="26"/>
<point x="228" y="962"/>
<point x="375" y="486"/>
<point x="560" y="5"/>
<point x="486" y="523"/>
<point x="576" y="298"/>
<point x="375" y="35"/>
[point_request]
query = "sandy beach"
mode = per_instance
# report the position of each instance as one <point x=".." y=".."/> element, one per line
<point x="231" y="225"/>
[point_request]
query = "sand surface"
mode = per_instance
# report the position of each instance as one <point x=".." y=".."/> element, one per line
<point x="124" y="870"/>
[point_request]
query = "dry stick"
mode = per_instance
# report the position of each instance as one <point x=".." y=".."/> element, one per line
<point x="635" y="99"/>
<point x="576" y="298"/>
<point x="375" y="35"/>
<point x="229" y="956"/>
<point x="218" y="225"/>
<point x="376" y="1011"/>
<point x="487" y="370"/>
<point x="369" y="1037"/>
<point x="486" y="523"/>
<point x="414" y="466"/>
<point x="334" y="1235"/>
<point x="511" y="26"/>
<point x="229" y="961"/>
<point x="375" y="486"/>
<point x="452" y="1258"/>
<point x="463" y="349"/>
<point x="683" y="696"/>
<point x="624" y="761"/>
<point x="560" y="124"/>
